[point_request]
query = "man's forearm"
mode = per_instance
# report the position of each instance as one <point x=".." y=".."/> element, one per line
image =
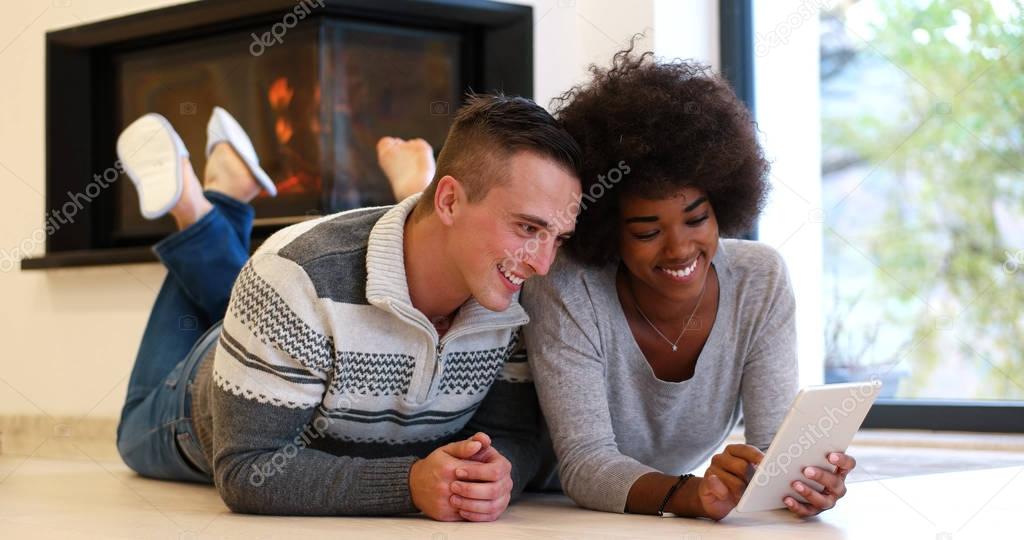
<point x="315" y="484"/>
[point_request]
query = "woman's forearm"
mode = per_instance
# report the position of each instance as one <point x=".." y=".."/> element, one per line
<point x="647" y="493"/>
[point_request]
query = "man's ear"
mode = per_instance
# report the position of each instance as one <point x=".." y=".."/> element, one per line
<point x="448" y="198"/>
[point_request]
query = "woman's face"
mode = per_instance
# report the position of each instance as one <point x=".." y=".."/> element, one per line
<point x="668" y="244"/>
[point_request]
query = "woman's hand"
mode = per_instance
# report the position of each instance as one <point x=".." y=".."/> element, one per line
<point x="726" y="479"/>
<point x="834" y="486"/>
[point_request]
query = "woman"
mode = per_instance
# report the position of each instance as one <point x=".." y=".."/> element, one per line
<point x="655" y="336"/>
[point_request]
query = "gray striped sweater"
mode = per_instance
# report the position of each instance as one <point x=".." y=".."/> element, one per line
<point x="327" y="384"/>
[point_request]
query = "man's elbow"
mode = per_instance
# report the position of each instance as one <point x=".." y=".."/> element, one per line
<point x="244" y="487"/>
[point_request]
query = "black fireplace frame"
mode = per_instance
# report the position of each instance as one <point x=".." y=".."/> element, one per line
<point x="499" y="53"/>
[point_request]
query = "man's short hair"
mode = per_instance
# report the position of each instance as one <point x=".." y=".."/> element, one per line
<point x="486" y="132"/>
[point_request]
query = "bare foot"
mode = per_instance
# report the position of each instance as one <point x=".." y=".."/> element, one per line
<point x="192" y="205"/>
<point x="409" y="165"/>
<point x="228" y="174"/>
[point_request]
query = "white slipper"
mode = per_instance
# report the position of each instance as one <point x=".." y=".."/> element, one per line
<point x="151" y="153"/>
<point x="223" y="127"/>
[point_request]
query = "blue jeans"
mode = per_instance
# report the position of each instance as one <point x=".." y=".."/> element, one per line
<point x="156" y="437"/>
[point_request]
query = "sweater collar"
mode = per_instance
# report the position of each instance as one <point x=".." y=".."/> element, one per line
<point x="387" y="286"/>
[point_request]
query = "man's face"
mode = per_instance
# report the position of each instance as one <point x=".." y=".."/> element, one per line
<point x="512" y="234"/>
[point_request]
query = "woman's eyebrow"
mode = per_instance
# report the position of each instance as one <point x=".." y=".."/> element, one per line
<point x="642" y="219"/>
<point x="695" y="204"/>
<point x="648" y="219"/>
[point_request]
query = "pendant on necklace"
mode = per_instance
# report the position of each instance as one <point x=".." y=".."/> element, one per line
<point x="674" y="348"/>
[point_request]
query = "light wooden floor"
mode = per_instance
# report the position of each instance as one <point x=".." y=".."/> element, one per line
<point x="42" y="498"/>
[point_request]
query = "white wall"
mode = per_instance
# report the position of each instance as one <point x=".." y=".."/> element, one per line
<point x="569" y="35"/>
<point x="687" y="29"/>
<point x="788" y="114"/>
<point x="69" y="336"/>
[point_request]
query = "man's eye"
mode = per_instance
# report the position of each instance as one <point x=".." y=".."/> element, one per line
<point x="527" y="228"/>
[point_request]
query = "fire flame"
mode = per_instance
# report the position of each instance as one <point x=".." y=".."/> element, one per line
<point x="283" y="130"/>
<point x="298" y="180"/>
<point x="280" y="94"/>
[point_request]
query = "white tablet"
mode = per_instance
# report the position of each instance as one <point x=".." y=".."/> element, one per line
<point x="822" y="419"/>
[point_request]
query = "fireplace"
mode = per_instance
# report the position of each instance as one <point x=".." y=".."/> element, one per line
<point x="314" y="82"/>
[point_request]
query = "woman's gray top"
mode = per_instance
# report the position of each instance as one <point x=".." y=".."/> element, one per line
<point x="611" y="419"/>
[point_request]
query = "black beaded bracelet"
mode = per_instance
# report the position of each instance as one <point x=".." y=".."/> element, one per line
<point x="679" y="483"/>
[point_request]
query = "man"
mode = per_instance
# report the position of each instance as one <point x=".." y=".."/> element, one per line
<point x="357" y="347"/>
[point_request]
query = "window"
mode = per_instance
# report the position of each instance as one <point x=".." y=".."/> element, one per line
<point x="912" y="114"/>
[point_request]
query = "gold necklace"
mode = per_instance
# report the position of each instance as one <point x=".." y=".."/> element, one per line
<point x="674" y="344"/>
